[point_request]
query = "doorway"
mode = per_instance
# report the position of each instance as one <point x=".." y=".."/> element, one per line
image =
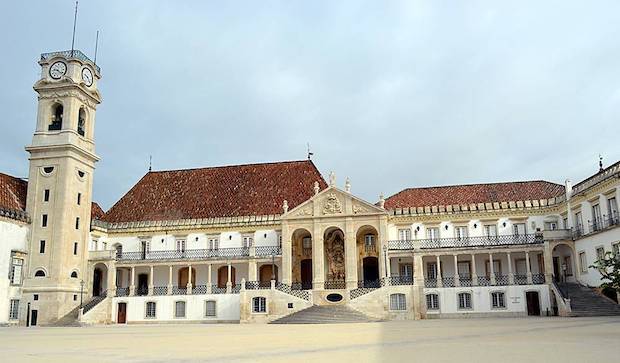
<point x="533" y="303"/>
<point x="34" y="314"/>
<point x="222" y="276"/>
<point x="556" y="269"/>
<point x="121" y="315"/>
<point x="371" y="269"/>
<point x="184" y="277"/>
<point x="143" y="284"/>
<point x="306" y="274"/>
<point x="266" y="275"/>
<point x="97" y="275"/>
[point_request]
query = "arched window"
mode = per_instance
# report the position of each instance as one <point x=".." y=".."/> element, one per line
<point x="39" y="273"/>
<point x="398" y="302"/>
<point x="81" y="128"/>
<point x="74" y="275"/>
<point x="57" y="113"/>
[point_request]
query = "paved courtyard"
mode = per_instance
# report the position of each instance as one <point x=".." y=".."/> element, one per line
<point x="473" y="340"/>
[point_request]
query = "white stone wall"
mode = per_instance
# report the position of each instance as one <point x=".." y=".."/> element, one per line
<point x="13" y="237"/>
<point x="481" y="300"/>
<point x="227" y="308"/>
<point x="589" y="245"/>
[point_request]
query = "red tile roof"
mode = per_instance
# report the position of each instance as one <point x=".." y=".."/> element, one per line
<point x="95" y="211"/>
<point x="13" y="193"/>
<point x="226" y="191"/>
<point x="474" y="193"/>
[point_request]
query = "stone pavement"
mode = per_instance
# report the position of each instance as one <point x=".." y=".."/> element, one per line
<point x="465" y="340"/>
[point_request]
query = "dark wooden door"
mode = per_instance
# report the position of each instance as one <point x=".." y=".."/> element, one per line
<point x="306" y="274"/>
<point x="266" y="275"/>
<point x="34" y="314"/>
<point x="97" y="282"/>
<point x="184" y="277"/>
<point x="143" y="284"/>
<point x="222" y="276"/>
<point x="556" y="269"/>
<point x="371" y="268"/>
<point x="533" y="303"/>
<point x="121" y="316"/>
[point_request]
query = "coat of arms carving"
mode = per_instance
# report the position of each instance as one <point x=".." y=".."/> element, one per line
<point x="332" y="204"/>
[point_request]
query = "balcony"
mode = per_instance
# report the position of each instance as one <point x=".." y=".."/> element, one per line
<point x="464" y="242"/>
<point x="199" y="254"/>
<point x="595" y="226"/>
<point x="500" y="280"/>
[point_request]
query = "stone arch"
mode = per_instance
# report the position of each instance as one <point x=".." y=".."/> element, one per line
<point x="56" y="116"/>
<point x="266" y="273"/>
<point x="99" y="279"/>
<point x="563" y="262"/>
<point x="334" y="254"/>
<point x="222" y="276"/>
<point x="367" y="246"/>
<point x="81" y="122"/>
<point x="301" y="253"/>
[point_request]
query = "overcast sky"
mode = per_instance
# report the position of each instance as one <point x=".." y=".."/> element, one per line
<point x="392" y="94"/>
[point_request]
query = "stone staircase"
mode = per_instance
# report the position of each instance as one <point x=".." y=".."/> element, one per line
<point x="586" y="302"/>
<point x="324" y="315"/>
<point x="70" y="319"/>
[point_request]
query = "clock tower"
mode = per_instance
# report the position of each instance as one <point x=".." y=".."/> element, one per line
<point x="62" y="162"/>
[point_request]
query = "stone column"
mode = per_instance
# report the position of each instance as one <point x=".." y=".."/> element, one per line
<point x="419" y="306"/>
<point x="492" y="273"/>
<point x="287" y="255"/>
<point x="511" y="275"/>
<point x="132" y="286"/>
<point x="228" y="282"/>
<point x="384" y="258"/>
<point x="474" y="275"/>
<point x="439" y="278"/>
<point x="457" y="278"/>
<point x="548" y="259"/>
<point x="318" y="259"/>
<point x="111" y="280"/>
<point x="350" y="256"/>
<point x="170" y="280"/>
<point x="209" y="281"/>
<point x="528" y="267"/>
<point x="151" y="281"/>
<point x="189" y="280"/>
<point x="252" y="270"/>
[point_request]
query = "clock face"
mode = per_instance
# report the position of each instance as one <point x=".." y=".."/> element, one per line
<point x="87" y="76"/>
<point x="58" y="70"/>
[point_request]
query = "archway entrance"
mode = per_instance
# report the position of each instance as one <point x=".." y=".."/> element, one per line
<point x="222" y="276"/>
<point x="265" y="274"/>
<point x="100" y="273"/>
<point x="371" y="271"/>
<point x="563" y="263"/>
<point x="306" y="274"/>
<point x="334" y="259"/>
<point x="184" y="277"/>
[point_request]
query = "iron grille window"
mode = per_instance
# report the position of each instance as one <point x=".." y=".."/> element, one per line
<point x="464" y="300"/>
<point x="151" y="309"/>
<point x="210" y="309"/>
<point x="15" y="273"/>
<point x="14" y="310"/>
<point x="432" y="302"/>
<point x="398" y="302"/>
<point x="179" y="309"/>
<point x="498" y="300"/>
<point x="259" y="304"/>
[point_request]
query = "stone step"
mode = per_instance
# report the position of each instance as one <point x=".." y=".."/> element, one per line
<point x="586" y="302"/>
<point x="324" y="315"/>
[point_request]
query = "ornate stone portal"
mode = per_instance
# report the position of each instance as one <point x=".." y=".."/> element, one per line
<point x="334" y="249"/>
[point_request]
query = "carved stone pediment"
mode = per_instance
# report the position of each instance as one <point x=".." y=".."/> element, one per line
<point x="331" y="204"/>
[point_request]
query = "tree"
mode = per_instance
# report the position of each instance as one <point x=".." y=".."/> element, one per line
<point x="609" y="268"/>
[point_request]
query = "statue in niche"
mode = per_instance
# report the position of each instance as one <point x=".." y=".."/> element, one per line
<point x="335" y="256"/>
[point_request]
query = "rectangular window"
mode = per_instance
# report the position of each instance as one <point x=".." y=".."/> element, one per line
<point x="519" y="229"/>
<point x="578" y="221"/>
<point x="259" y="304"/>
<point x="463" y="268"/>
<point x="497" y="267"/>
<point x="210" y="311"/>
<point x="490" y="230"/>
<point x="15" y="274"/>
<point x="431" y="270"/>
<point x="179" y="309"/>
<point x="596" y="217"/>
<point x="46" y="195"/>
<point x="75" y="248"/>
<point x="398" y="302"/>
<point x="306" y="243"/>
<point x="44" y="220"/>
<point x="497" y="300"/>
<point x="77" y="222"/>
<point x="612" y="210"/>
<point x="214" y="243"/>
<point x="404" y="234"/>
<point x="464" y="300"/>
<point x="151" y="310"/>
<point x="600" y="253"/>
<point x="14" y="310"/>
<point x="432" y="302"/>
<point x="551" y="226"/>
<point x="247" y="241"/>
<point x="406" y="269"/>
<point x="460" y="232"/>
<point x="42" y="246"/>
<point x="616" y="249"/>
<point x="181" y="245"/>
<point x="79" y="198"/>
<point x="432" y="233"/>
<point x="520" y="266"/>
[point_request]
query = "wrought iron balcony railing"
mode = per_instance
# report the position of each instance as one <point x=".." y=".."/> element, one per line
<point x="76" y="54"/>
<point x="268" y="250"/>
<point x="335" y="284"/>
<point x="521" y="279"/>
<point x="596" y="225"/>
<point x="479" y="241"/>
<point x="400" y="280"/>
<point x="538" y="279"/>
<point x="235" y="252"/>
<point x="160" y="290"/>
<point x="122" y="291"/>
<point x="291" y="290"/>
<point x="257" y="285"/>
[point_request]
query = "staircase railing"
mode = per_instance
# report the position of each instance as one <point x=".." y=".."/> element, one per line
<point x="93" y="302"/>
<point x="562" y="299"/>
